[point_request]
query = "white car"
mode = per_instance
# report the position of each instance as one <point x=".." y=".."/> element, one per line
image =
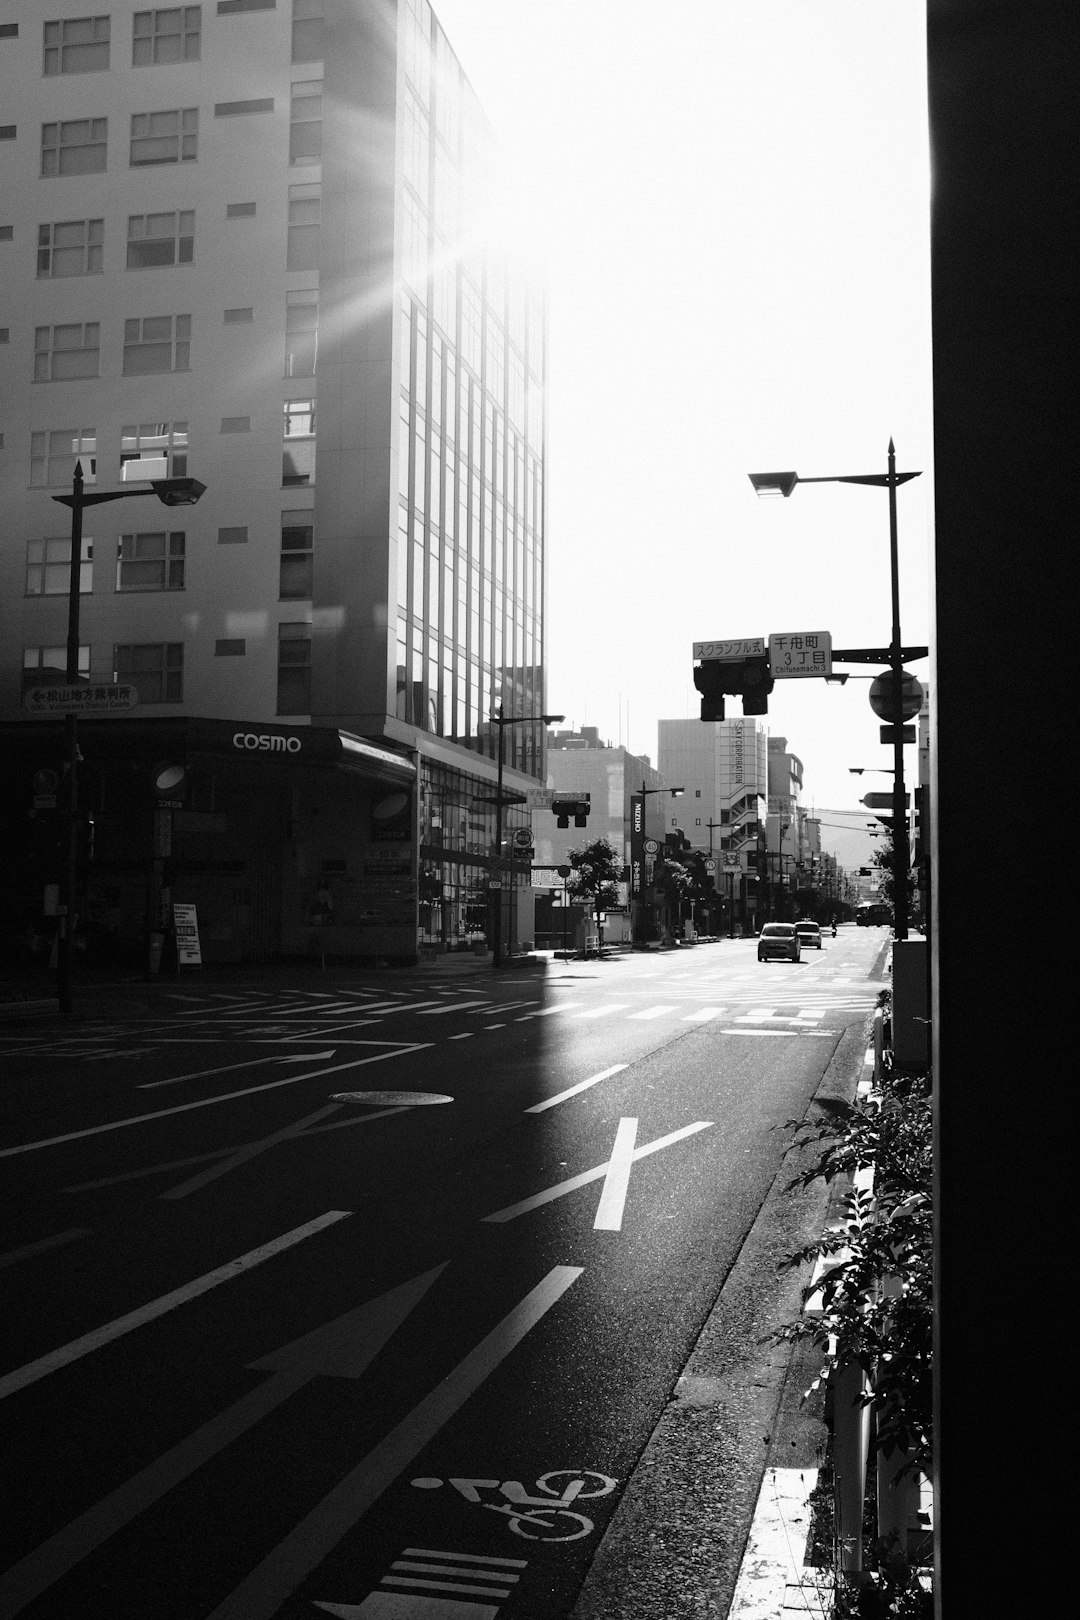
<point x="809" y="933"/>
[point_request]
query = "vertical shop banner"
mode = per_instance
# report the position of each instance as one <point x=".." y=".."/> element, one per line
<point x="637" y="843"/>
<point x="186" y="924"/>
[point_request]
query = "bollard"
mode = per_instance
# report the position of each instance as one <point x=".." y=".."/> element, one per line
<point x="851" y="1442"/>
<point x="879" y="1048"/>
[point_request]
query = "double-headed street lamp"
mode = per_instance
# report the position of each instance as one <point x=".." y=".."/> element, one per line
<point x="502" y="720"/>
<point x="783" y="483"/>
<point x="172" y="492"/>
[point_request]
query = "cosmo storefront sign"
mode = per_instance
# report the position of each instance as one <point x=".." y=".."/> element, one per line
<point x="266" y="742"/>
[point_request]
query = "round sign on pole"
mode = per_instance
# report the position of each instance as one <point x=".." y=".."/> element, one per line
<point x="523" y="837"/>
<point x="881" y="695"/>
<point x="564" y="871"/>
<point x="651" y="846"/>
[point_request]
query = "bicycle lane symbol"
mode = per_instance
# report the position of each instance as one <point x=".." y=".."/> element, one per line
<point x="545" y="1517"/>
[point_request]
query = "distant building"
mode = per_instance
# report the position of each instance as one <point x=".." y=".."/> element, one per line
<point x="723" y="767"/>
<point x="577" y="761"/>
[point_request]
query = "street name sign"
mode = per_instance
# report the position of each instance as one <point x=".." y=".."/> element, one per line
<point x="802" y="652"/>
<point x="103" y="698"/>
<point x="730" y="651"/>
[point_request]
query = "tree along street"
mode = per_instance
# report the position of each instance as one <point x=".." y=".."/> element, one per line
<point x="376" y="1286"/>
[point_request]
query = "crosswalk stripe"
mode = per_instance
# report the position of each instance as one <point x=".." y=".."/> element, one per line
<point x="703" y="1015"/>
<point x="600" y="1012"/>
<point x="654" y="1012"/>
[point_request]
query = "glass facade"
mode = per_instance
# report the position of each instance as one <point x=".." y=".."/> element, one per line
<point x="457" y="835"/>
<point x="470" y="431"/>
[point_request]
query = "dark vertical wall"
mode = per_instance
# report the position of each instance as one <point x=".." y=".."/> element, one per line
<point x="1003" y="117"/>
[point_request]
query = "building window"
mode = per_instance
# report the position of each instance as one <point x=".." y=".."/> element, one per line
<point x="156" y="239"/>
<point x="305" y="207"/>
<point x="157" y="343"/>
<point x="164" y="137"/>
<point x="48" y="566"/>
<point x="241" y="210"/>
<point x="166" y="36"/>
<point x="297" y="559"/>
<point x="301" y="333"/>
<point x="62" y="353"/>
<point x="79" y="45"/>
<point x="307" y="30"/>
<point x="235" y="535"/>
<point x="243" y="315"/>
<point x="150" y="562"/>
<point x="155" y="669"/>
<point x="232" y="648"/>
<point x="152" y="450"/>
<point x="298" y="457"/>
<point x="53" y="456"/>
<point x="75" y="147"/>
<point x="36" y="659"/>
<point x="71" y="248"/>
<point x="294" y="669"/>
<point x="305" y="122"/>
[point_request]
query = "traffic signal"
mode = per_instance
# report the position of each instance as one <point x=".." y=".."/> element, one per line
<point x="565" y="805"/>
<point x="747" y="678"/>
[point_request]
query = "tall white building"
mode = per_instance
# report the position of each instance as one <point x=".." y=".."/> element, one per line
<point x="244" y="241"/>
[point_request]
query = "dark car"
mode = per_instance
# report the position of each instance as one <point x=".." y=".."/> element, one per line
<point x="780" y="940"/>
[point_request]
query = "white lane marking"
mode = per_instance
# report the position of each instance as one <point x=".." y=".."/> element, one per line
<point x="209" y="1102"/>
<point x="601" y="1012"/>
<point x="494" y="1026"/>
<point x="653" y="1012"/>
<point x="262" y="1594"/>
<point x="582" y="1085"/>
<point x="468" y="1035"/>
<point x="703" y="1015"/>
<point x="609" y="1212"/>
<point x="759" y="1032"/>
<point x="249" y="1063"/>
<point x="250" y="1150"/>
<point x="507" y="1006"/>
<point x="546" y="1012"/>
<point x="456" y="1006"/>
<point x="84" y="1346"/>
<point x="561" y="1188"/>
<point x="340" y="1349"/>
<point x="43" y="1244"/>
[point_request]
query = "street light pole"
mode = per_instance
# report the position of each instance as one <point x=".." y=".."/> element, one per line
<point x="783" y="483"/>
<point x="172" y="492"/>
<point x="502" y="720"/>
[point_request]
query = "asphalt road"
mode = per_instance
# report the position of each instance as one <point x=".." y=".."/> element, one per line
<point x="364" y="1295"/>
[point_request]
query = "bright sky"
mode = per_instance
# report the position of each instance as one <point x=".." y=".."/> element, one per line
<point x="733" y="197"/>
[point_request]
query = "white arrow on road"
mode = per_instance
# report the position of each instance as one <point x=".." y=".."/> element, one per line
<point x="616" y="1172"/>
<point x="249" y="1063"/>
<point x="340" y="1349"/>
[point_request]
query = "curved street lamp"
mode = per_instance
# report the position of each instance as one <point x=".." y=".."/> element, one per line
<point x="783" y="484"/>
<point x="171" y="492"/>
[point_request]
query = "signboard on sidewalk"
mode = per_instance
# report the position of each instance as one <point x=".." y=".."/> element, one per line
<point x="186" y="924"/>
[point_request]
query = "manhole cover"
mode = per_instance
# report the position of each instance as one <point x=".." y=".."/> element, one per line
<point x="392" y="1099"/>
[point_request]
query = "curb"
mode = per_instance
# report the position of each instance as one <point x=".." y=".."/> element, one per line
<point x="775" y="1581"/>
